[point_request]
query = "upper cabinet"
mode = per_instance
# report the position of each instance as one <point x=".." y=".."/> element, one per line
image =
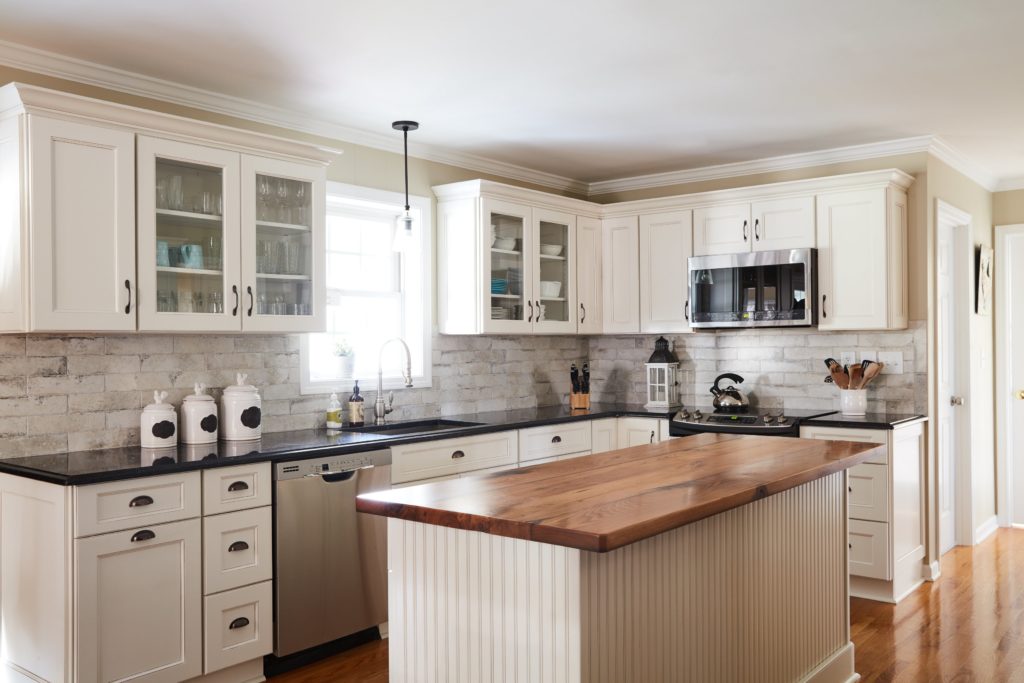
<point x="721" y="229"/>
<point x="666" y="243"/>
<point x="621" y="274"/>
<point x="108" y="229"/>
<point x="762" y="225"/>
<point x="588" y="275"/>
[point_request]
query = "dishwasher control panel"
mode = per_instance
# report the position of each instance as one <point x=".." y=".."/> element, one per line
<point x="332" y="464"/>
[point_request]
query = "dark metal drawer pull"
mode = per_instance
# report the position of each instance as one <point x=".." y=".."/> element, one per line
<point x="238" y="486"/>
<point x="144" y="535"/>
<point x="556" y="439"/>
<point x="140" y="501"/>
<point x="458" y="454"/>
<point x="237" y="546"/>
<point x="240" y="622"/>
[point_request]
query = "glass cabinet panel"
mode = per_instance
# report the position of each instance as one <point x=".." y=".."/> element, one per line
<point x="284" y="246"/>
<point x="508" y="244"/>
<point x="553" y="272"/>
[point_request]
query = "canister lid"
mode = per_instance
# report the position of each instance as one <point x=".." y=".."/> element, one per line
<point x="158" y="405"/>
<point x="241" y="387"/>
<point x="200" y="394"/>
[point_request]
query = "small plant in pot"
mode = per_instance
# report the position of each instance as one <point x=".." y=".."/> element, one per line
<point x="344" y="359"/>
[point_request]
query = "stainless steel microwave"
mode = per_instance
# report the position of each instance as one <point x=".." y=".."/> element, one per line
<point x="754" y="289"/>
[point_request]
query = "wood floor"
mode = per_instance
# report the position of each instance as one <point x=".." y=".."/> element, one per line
<point x="967" y="627"/>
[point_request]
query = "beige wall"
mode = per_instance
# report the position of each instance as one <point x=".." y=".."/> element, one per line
<point x="1008" y="207"/>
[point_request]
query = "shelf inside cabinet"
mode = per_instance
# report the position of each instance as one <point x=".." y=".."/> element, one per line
<point x="190" y="218"/>
<point x="281" y="276"/>
<point x="187" y="271"/>
<point x="510" y="252"/>
<point x="281" y="228"/>
<point x="545" y="257"/>
<point x="552" y="298"/>
<point x="506" y="296"/>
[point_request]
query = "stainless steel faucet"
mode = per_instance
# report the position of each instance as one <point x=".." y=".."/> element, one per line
<point x="380" y="408"/>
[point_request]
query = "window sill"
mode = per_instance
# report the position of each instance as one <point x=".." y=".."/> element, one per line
<point x="367" y="385"/>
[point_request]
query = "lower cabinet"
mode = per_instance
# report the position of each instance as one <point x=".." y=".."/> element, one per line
<point x="604" y="435"/>
<point x="638" y="431"/>
<point x="239" y="626"/>
<point x="450" y="457"/>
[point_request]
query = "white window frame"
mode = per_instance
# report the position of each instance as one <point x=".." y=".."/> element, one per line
<point x="342" y="193"/>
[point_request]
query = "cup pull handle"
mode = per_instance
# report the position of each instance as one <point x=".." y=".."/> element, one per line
<point x="240" y="622"/>
<point x="140" y="501"/>
<point x="238" y="546"/>
<point x="238" y="486"/>
<point x="144" y="535"/>
<point x="556" y="439"/>
<point x="458" y="454"/>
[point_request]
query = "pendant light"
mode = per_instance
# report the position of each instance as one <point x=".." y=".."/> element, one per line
<point x="403" y="224"/>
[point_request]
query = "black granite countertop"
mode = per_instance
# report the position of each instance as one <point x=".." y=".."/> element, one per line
<point x="869" y="421"/>
<point x="111" y="464"/>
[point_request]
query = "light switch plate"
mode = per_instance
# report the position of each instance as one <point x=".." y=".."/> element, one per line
<point x="869" y="355"/>
<point x="847" y="357"/>
<point x="893" y="362"/>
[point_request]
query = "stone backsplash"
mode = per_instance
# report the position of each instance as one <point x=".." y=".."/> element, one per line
<point x="61" y="393"/>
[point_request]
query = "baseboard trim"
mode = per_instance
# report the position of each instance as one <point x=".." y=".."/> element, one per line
<point x="836" y="669"/>
<point x="932" y="571"/>
<point x="986" y="529"/>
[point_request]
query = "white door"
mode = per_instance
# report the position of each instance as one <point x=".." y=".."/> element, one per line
<point x="666" y="242"/>
<point x="508" y="270"/>
<point x="620" y="270"/>
<point x="852" y="266"/>
<point x="638" y="431"/>
<point x="188" y="237"/>
<point x="82" y="226"/>
<point x="12" y="227"/>
<point x="138" y="604"/>
<point x="1009" y="272"/>
<point x="951" y="378"/>
<point x="786" y="223"/>
<point x="283" y="214"/>
<point x="554" y="272"/>
<point x="588" y="275"/>
<point x="722" y="229"/>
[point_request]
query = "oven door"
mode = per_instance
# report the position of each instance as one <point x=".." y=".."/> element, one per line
<point x="756" y="289"/>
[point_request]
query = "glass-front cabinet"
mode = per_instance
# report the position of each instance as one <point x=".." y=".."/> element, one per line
<point x="228" y="241"/>
<point x="508" y="243"/>
<point x="554" y="280"/>
<point x="188" y="237"/>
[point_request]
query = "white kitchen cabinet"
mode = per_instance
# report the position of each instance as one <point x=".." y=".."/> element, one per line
<point x="81" y="218"/>
<point x="588" y="275"/>
<point x="783" y="223"/>
<point x="620" y="270"/>
<point x="638" y="431"/>
<point x="885" y="503"/>
<point x="554" y="440"/>
<point x="862" y="259"/>
<point x="604" y="435"/>
<point x="138" y="604"/>
<point x="554" y="272"/>
<point x="666" y="242"/>
<point x="722" y="229"/>
<point x="434" y="459"/>
<point x="238" y="626"/>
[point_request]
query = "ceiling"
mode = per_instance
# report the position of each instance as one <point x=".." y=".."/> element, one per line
<point x="586" y="89"/>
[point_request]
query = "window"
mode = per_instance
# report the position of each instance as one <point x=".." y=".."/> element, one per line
<point x="374" y="293"/>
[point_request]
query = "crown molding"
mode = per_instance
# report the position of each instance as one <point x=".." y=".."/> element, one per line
<point x="943" y="151"/>
<point x="59" y="66"/>
<point x="1008" y="184"/>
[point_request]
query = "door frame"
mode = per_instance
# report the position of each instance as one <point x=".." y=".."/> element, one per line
<point x="949" y="217"/>
<point x="1004" y="426"/>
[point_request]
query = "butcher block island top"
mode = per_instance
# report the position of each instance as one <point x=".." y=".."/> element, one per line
<point x="609" y="500"/>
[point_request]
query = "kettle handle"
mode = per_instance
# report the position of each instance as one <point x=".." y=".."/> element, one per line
<point x="726" y="375"/>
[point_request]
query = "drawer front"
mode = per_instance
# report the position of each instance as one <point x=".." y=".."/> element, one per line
<point x="869" y="549"/>
<point x="120" y="505"/>
<point x="879" y="436"/>
<point x="239" y="626"/>
<point x="554" y="440"/>
<point x="237" y="549"/>
<point x="868" y="489"/>
<point x="226" y="489"/>
<point x="452" y="456"/>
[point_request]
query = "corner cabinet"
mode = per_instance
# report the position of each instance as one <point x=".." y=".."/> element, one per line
<point x="504" y="267"/>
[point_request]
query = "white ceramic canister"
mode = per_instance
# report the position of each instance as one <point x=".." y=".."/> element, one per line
<point x="159" y="423"/>
<point x="199" y="417"/>
<point x="240" y="414"/>
<point x="853" y="401"/>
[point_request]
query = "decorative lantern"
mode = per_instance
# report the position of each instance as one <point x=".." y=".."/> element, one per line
<point x="662" y="381"/>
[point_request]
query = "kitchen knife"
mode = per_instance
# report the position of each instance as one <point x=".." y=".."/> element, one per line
<point x="586" y="378"/>
<point x="574" y="377"/>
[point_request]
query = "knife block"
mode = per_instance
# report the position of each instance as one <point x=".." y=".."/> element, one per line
<point x="579" y="401"/>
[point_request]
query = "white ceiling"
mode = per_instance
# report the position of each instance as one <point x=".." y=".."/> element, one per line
<point x="586" y="89"/>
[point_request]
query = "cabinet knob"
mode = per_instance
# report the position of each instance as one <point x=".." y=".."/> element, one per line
<point x="458" y="454"/>
<point x="850" y="489"/>
<point x="144" y="535"/>
<point x="556" y="439"/>
<point x="850" y="546"/>
<point x="652" y="436"/>
<point x="240" y="622"/>
<point x="140" y="501"/>
<point x="238" y="486"/>
<point x="238" y="546"/>
<point x="1020" y="394"/>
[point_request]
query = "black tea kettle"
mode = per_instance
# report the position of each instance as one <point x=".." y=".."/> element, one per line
<point x="730" y="399"/>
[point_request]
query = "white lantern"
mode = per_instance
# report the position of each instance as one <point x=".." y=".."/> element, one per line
<point x="662" y="377"/>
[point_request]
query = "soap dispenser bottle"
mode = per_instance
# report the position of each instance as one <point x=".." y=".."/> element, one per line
<point x="334" y="413"/>
<point x="356" y="408"/>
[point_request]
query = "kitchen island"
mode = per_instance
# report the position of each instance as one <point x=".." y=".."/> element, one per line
<point x="713" y="557"/>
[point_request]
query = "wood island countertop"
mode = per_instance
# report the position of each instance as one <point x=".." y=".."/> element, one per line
<point x="605" y="501"/>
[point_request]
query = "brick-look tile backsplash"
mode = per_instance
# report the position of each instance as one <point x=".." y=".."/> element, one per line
<point x="60" y="393"/>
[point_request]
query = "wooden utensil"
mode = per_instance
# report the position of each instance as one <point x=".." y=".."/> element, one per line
<point x="871" y="372"/>
<point x="856" y="376"/>
<point x="841" y="379"/>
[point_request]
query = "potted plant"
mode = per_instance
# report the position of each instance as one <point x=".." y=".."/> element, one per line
<point x="344" y="359"/>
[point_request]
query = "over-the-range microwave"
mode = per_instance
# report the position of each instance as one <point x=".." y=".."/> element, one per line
<point x="754" y="289"/>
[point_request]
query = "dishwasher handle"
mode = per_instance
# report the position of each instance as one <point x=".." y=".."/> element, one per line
<point x="344" y="475"/>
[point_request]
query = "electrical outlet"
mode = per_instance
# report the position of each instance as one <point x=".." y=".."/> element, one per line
<point x="893" y="362"/>
<point x="869" y="355"/>
<point x="848" y="357"/>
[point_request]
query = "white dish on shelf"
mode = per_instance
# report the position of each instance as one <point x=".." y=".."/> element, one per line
<point x="506" y="243"/>
<point x="551" y="249"/>
<point x="550" y="289"/>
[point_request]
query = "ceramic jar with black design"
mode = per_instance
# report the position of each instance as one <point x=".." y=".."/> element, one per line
<point x="241" y="412"/>
<point x="159" y="423"/>
<point x="199" y="421"/>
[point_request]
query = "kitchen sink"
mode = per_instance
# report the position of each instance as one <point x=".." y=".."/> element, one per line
<point x="413" y="427"/>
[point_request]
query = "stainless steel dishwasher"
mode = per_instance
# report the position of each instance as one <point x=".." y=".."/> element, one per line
<point x="330" y="561"/>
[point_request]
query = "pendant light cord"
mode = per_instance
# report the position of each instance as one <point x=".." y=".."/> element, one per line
<point x="405" y="139"/>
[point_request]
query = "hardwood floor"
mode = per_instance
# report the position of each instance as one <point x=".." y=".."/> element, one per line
<point x="967" y="627"/>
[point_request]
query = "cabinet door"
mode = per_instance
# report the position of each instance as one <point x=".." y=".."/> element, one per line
<point x="603" y="435"/>
<point x="666" y="242"/>
<point x="188" y="237"/>
<point x="783" y="223"/>
<point x="852" y="262"/>
<point x="638" y="431"/>
<point x="508" y="271"/>
<point x="12" y="228"/>
<point x="82" y="227"/>
<point x="283" y="225"/>
<point x="588" y="275"/>
<point x="722" y="229"/>
<point x="554" y="272"/>
<point x="620" y="270"/>
<point x="138" y="604"/>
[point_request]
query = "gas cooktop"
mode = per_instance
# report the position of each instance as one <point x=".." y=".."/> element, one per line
<point x="782" y="423"/>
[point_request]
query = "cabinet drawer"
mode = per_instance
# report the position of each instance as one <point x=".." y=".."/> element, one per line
<point x="879" y="436"/>
<point x="869" y="549"/>
<point x="226" y="489"/>
<point x="553" y="440"/>
<point x="452" y="456"/>
<point x="237" y="549"/>
<point x="239" y="626"/>
<point x="120" y="505"/>
<point x="868" y="488"/>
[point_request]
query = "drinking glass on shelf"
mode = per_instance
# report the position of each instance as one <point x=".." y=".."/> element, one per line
<point x="216" y="304"/>
<point x="212" y="252"/>
<point x="175" y="193"/>
<point x="267" y="257"/>
<point x="300" y="204"/>
<point x="282" y="200"/>
<point x="263" y="190"/>
<point x="161" y="194"/>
